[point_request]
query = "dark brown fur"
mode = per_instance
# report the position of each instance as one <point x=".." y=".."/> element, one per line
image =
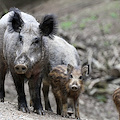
<point x="116" y="99"/>
<point x="60" y="81"/>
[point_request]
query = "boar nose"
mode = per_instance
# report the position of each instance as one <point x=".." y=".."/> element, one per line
<point x="74" y="87"/>
<point x="21" y="69"/>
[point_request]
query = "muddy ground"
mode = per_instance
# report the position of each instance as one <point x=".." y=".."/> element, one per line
<point x="93" y="27"/>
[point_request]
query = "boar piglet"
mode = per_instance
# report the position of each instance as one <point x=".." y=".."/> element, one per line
<point x="116" y="99"/>
<point x="67" y="83"/>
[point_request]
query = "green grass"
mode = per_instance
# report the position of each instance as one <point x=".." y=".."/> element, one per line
<point x="86" y="20"/>
<point x="107" y="28"/>
<point x="114" y="15"/>
<point x="66" y="25"/>
<point x="82" y="25"/>
<point x="101" y="98"/>
<point x="91" y="18"/>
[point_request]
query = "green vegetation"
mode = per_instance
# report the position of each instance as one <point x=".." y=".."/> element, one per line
<point x="86" y="20"/>
<point x="114" y="15"/>
<point x="106" y="43"/>
<point x="66" y="25"/>
<point x="82" y="25"/>
<point x="101" y="98"/>
<point x="106" y="28"/>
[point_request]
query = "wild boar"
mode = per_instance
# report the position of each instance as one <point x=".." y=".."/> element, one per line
<point x="30" y="50"/>
<point x="116" y="99"/>
<point x="67" y="83"/>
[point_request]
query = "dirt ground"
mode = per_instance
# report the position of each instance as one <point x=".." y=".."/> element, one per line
<point x="8" y="111"/>
<point x="95" y="26"/>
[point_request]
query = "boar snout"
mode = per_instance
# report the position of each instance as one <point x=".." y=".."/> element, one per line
<point x="20" y="69"/>
<point x="74" y="87"/>
<point x="22" y="63"/>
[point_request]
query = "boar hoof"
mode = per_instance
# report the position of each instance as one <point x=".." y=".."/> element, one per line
<point x="39" y="111"/>
<point x="2" y="99"/>
<point x="49" y="109"/>
<point x="64" y="114"/>
<point x="23" y="109"/>
<point x="2" y="95"/>
<point x="78" y="118"/>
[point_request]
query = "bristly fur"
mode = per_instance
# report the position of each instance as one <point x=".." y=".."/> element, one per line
<point x="15" y="21"/>
<point x="14" y="9"/>
<point x="48" y="26"/>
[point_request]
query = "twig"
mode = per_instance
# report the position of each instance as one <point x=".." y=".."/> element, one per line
<point x="98" y="64"/>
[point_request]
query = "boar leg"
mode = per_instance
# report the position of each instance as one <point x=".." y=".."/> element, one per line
<point x="3" y="69"/>
<point x="58" y="100"/>
<point x="70" y="106"/>
<point x="19" y="84"/>
<point x="77" y="114"/>
<point x="64" y="107"/>
<point x="35" y="94"/>
<point x="58" y="105"/>
<point x="45" y="93"/>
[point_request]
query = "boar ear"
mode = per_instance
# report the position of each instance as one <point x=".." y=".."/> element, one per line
<point x="16" y="21"/>
<point x="85" y="70"/>
<point x="69" y="69"/>
<point x="48" y="26"/>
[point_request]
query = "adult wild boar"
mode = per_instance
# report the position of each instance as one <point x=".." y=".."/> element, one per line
<point x="30" y="50"/>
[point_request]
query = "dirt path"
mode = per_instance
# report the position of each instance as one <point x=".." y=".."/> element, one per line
<point x="8" y="111"/>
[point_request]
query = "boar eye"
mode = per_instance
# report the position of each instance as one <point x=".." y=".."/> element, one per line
<point x="80" y="77"/>
<point x="36" y="41"/>
<point x="71" y="76"/>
